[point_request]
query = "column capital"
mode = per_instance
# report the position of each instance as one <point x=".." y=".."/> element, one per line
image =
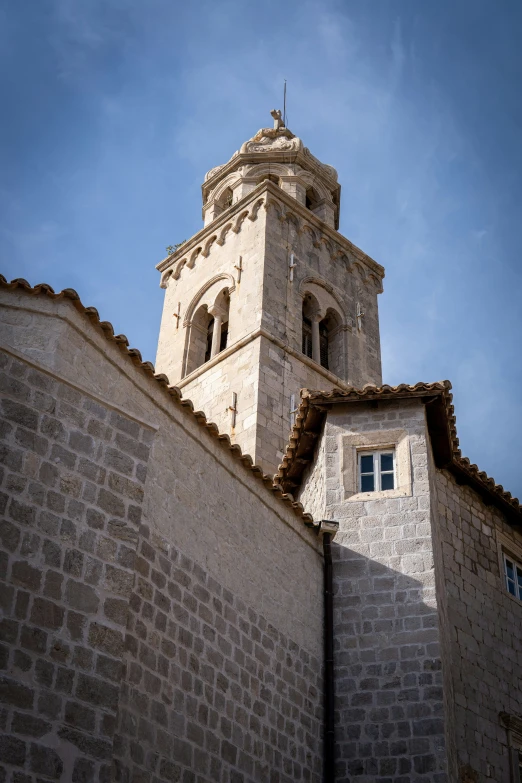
<point x="216" y="311"/>
<point x="317" y="317"/>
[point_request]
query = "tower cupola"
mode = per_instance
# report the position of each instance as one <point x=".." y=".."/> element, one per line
<point x="278" y="155"/>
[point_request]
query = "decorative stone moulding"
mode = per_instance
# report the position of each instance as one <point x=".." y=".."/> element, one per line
<point x="338" y="248"/>
<point x="228" y="282"/>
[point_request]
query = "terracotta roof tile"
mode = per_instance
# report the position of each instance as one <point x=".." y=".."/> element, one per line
<point x="148" y="369"/>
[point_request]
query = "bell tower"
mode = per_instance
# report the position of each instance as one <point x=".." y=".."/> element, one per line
<point x="268" y="297"/>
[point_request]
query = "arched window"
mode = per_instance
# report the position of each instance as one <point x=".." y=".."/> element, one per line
<point x="220" y="309"/>
<point x="307" y="337"/>
<point x="226" y="198"/>
<point x="200" y="327"/>
<point x="312" y="199"/>
<point x="323" y="344"/>
<point x="331" y="343"/>
<point x="310" y="314"/>
<point x="210" y="334"/>
<point x="223" y="202"/>
<point x="322" y="336"/>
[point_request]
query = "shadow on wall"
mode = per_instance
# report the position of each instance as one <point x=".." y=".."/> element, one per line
<point x="389" y="699"/>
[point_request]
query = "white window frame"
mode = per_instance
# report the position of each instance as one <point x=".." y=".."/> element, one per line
<point x="377" y="473"/>
<point x="517" y="564"/>
<point x="352" y="443"/>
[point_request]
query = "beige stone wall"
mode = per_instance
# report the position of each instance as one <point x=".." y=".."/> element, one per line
<point x="212" y="391"/>
<point x="158" y="527"/>
<point x="390" y="719"/>
<point x="313" y="493"/>
<point x="337" y="273"/>
<point x="281" y="375"/>
<point x="483" y="628"/>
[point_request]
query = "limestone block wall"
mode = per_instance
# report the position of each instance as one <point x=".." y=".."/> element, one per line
<point x="348" y="283"/>
<point x="73" y="475"/>
<point x="212" y="391"/>
<point x="281" y="375"/>
<point x="163" y="609"/>
<point x="389" y="713"/>
<point x="483" y="629"/>
<point x="313" y="493"/>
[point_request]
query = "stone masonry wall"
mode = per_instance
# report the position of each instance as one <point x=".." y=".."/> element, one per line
<point x="345" y="278"/>
<point x="389" y="714"/>
<point x="213" y="691"/>
<point x="313" y="493"/>
<point x="484" y="624"/>
<point x="182" y="645"/>
<point x="212" y="392"/>
<point x="72" y="481"/>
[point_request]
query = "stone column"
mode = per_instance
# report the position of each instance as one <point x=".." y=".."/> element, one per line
<point x="216" y="334"/>
<point x="316" y="344"/>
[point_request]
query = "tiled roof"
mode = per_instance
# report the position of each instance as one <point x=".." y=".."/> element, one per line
<point x="441" y="424"/>
<point x="148" y="369"/>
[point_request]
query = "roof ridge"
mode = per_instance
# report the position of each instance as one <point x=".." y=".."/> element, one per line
<point x="175" y="393"/>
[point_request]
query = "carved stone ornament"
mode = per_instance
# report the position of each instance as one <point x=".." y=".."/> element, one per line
<point x="272" y="139"/>
<point x="328" y="170"/>
<point x="213" y="171"/>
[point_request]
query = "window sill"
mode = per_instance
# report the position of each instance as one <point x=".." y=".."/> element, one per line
<point x="382" y="494"/>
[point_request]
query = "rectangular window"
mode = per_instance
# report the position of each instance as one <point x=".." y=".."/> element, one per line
<point x="376" y="470"/>
<point x="513" y="574"/>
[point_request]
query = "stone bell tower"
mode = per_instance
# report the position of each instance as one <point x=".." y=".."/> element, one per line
<point x="268" y="297"/>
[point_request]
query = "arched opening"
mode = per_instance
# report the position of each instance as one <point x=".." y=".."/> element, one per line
<point x="312" y="199"/>
<point x="200" y="328"/>
<point x="210" y="335"/>
<point x="323" y="344"/>
<point x="322" y="338"/>
<point x="223" y="202"/>
<point x="226" y="198"/>
<point x="221" y="308"/>
<point x="310" y="312"/>
<point x="331" y="339"/>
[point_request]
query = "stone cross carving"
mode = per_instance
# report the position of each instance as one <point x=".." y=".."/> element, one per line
<point x="239" y="268"/>
<point x="360" y="316"/>
<point x="278" y="119"/>
<point x="291" y="266"/>
<point x="177" y="315"/>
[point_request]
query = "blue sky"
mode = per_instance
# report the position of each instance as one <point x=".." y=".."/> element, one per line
<point x="115" y="109"/>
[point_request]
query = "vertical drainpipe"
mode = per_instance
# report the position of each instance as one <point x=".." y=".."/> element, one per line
<point x="328" y="530"/>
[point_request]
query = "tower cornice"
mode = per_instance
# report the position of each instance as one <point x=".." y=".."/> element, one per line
<point x="263" y="195"/>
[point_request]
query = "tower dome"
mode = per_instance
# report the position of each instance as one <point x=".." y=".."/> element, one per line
<point x="280" y="156"/>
